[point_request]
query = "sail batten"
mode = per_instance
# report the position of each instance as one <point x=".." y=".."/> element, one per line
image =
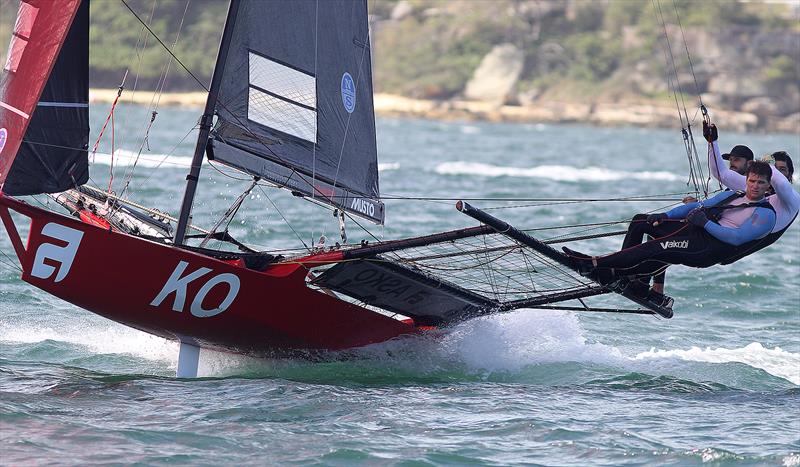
<point x="295" y="106"/>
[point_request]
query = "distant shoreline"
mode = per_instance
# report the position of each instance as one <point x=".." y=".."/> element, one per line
<point x="644" y="114"/>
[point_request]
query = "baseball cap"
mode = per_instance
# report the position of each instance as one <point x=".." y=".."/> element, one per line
<point x="739" y="151"/>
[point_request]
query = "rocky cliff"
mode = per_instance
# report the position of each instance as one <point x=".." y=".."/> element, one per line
<point x="604" y="62"/>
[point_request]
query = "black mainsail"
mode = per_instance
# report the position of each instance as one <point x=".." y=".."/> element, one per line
<point x="53" y="155"/>
<point x="295" y="103"/>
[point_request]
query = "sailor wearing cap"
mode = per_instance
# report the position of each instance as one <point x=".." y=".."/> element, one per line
<point x="738" y="158"/>
<point x="783" y="198"/>
<point x="719" y="230"/>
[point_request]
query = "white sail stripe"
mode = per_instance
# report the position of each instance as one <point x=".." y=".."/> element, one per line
<point x="63" y="104"/>
<point x="281" y="115"/>
<point x="283" y="81"/>
<point x="15" y="110"/>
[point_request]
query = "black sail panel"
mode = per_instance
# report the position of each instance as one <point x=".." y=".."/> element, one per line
<point x="295" y="105"/>
<point x="53" y="156"/>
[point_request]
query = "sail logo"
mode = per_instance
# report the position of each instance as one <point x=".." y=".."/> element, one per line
<point x="177" y="284"/>
<point x="3" y="138"/>
<point x="675" y="244"/>
<point x="64" y="255"/>
<point x="362" y="206"/>
<point x="348" y="93"/>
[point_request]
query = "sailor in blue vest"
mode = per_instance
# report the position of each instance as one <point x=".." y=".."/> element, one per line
<point x="698" y="234"/>
<point x="783" y="198"/>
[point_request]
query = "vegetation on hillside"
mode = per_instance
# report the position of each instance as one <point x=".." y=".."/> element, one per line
<point x="431" y="48"/>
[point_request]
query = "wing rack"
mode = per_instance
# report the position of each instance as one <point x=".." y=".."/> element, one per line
<point x="457" y="275"/>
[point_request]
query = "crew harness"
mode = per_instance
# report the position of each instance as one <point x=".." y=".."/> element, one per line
<point x="714" y="213"/>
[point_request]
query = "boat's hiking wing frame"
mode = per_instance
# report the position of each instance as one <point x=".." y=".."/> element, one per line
<point x="457" y="275"/>
<point x="619" y="287"/>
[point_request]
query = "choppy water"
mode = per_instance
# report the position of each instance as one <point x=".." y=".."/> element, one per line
<point x="718" y="384"/>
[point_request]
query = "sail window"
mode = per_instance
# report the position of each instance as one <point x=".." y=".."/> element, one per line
<point x="282" y="98"/>
<point x="22" y="33"/>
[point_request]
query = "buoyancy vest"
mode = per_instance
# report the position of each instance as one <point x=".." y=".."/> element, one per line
<point x="755" y="245"/>
<point x="714" y="213"/>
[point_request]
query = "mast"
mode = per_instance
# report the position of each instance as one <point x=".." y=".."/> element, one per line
<point x="205" y="125"/>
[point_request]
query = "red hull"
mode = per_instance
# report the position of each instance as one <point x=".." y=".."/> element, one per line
<point x="182" y="295"/>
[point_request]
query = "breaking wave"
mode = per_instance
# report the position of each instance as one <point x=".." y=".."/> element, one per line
<point x="554" y="172"/>
<point x="510" y="344"/>
<point x="127" y="158"/>
<point x="105" y="338"/>
<point x="776" y="361"/>
<point x="387" y="166"/>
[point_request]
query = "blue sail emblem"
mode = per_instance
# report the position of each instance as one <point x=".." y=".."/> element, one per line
<point x="3" y="138"/>
<point x="348" y="93"/>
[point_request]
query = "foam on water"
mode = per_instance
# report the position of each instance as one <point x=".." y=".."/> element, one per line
<point x="469" y="129"/>
<point x="501" y="343"/>
<point x="553" y="172"/>
<point x="506" y="343"/>
<point x="99" y="339"/>
<point x="535" y="126"/>
<point x="792" y="460"/>
<point x="386" y="166"/>
<point x="127" y="158"/>
<point x="776" y="361"/>
<point x="512" y="341"/>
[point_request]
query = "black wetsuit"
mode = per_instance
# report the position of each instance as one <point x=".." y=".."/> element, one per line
<point x="674" y="242"/>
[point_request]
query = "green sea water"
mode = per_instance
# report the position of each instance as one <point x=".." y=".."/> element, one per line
<point x="719" y="384"/>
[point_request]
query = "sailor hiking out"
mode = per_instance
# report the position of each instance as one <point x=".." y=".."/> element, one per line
<point x="785" y="201"/>
<point x="699" y="234"/>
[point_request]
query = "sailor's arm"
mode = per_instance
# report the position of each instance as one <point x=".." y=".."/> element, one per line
<point x="680" y="212"/>
<point x="784" y="190"/>
<point x="759" y="223"/>
<point x="720" y="171"/>
<point x="716" y="164"/>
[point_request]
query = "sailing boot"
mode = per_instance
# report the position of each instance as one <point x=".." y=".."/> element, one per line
<point x="660" y="299"/>
<point x="581" y="262"/>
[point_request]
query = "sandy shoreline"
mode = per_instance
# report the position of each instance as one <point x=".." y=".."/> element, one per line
<point x="598" y="113"/>
<point x="185" y="99"/>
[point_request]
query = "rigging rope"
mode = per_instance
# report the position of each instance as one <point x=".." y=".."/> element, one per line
<point x="110" y="117"/>
<point x="240" y="124"/>
<point x="689" y="58"/>
<point x="10" y="262"/>
<point x="284" y="218"/>
<point x="244" y="127"/>
<point x="314" y="146"/>
<point x="154" y="105"/>
<point x="703" y="109"/>
<point x="230" y="213"/>
<point x="695" y="166"/>
<point x="150" y="211"/>
<point x="197" y="80"/>
<point x="141" y="45"/>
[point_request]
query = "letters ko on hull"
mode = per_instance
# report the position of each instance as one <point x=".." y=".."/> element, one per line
<point x="177" y="283"/>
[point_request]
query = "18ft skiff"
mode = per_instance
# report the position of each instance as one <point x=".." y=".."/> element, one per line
<point x="290" y="105"/>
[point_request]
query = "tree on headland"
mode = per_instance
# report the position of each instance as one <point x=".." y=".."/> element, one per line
<point x="745" y="54"/>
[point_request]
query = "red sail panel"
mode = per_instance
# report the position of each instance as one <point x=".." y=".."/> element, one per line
<point x="39" y="33"/>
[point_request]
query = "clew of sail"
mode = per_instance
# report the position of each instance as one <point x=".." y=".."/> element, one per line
<point x="43" y="146"/>
<point x="295" y="105"/>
